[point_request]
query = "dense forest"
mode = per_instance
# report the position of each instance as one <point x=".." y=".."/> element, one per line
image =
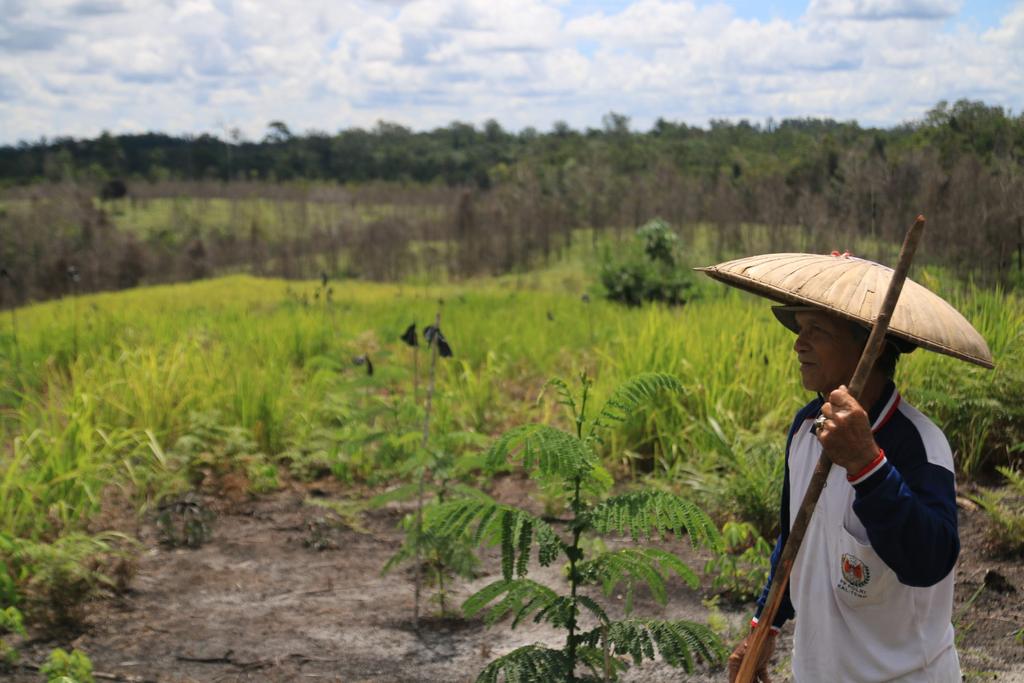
<point x="470" y="199"/>
<point x="463" y="154"/>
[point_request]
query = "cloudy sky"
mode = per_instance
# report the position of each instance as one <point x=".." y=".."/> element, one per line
<point x="77" y="67"/>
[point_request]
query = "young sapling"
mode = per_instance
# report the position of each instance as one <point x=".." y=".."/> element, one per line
<point x="441" y="558"/>
<point x="594" y="641"/>
<point x="438" y="347"/>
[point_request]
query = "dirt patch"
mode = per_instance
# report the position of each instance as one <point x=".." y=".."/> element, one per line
<point x="258" y="602"/>
<point x="988" y="607"/>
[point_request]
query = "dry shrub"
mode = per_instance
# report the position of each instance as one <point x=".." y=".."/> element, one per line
<point x="381" y="250"/>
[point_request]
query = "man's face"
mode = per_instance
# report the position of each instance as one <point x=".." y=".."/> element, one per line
<point x="827" y="351"/>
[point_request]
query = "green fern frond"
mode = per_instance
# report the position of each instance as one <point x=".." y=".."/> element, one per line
<point x="644" y="513"/>
<point x="550" y="451"/>
<point x="559" y="613"/>
<point x="593" y="608"/>
<point x="565" y="396"/>
<point x="486" y="520"/>
<point x="522" y="597"/>
<point x="650" y="566"/>
<point x="593" y="658"/>
<point x="525" y="597"/>
<point x="528" y="664"/>
<point x="680" y="643"/>
<point x="630" y="395"/>
<point x="1014" y="478"/>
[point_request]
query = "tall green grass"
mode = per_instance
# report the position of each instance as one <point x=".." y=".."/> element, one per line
<point x="265" y="357"/>
<point x="980" y="410"/>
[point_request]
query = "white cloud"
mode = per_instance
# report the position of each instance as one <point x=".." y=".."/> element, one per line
<point x="1010" y="33"/>
<point x="881" y="10"/>
<point x="79" y="66"/>
<point x="654" y="23"/>
<point x="378" y="41"/>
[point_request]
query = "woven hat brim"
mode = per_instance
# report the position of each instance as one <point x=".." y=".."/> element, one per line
<point x="852" y="289"/>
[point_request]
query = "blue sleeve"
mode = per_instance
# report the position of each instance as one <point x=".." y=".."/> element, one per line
<point x="910" y="517"/>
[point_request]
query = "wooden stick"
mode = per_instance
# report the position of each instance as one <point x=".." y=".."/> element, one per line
<point x="872" y="350"/>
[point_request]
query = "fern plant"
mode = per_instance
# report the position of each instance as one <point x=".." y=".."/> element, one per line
<point x="1005" y="510"/>
<point x="594" y="641"/>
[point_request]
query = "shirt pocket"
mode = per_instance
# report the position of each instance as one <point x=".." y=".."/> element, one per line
<point x="859" y="576"/>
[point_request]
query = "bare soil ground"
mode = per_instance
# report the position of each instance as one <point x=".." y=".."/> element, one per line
<point x="259" y="603"/>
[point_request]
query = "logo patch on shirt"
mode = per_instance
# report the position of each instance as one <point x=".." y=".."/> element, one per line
<point x="856" y="575"/>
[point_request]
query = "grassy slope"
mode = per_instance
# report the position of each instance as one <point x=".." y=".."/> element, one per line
<point x="98" y="389"/>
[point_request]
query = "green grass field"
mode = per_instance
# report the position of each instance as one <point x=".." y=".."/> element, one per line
<point x="132" y="394"/>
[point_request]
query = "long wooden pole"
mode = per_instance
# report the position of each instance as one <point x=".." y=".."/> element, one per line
<point x="872" y="350"/>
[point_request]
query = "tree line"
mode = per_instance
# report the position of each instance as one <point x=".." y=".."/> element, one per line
<point x="466" y="200"/>
<point x="463" y="154"/>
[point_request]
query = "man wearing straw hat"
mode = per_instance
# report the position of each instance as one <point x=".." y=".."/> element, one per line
<point x="871" y="588"/>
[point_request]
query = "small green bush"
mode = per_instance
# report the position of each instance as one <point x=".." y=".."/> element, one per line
<point x="353" y="439"/>
<point x="649" y="270"/>
<point x="741" y="570"/>
<point x="10" y="622"/>
<point x="211" y="451"/>
<point x="53" y="581"/>
<point x="62" y="667"/>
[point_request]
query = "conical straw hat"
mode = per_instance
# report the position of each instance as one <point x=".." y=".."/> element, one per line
<point x="854" y="289"/>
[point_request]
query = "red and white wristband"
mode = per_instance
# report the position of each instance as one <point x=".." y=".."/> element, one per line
<point x="869" y="469"/>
